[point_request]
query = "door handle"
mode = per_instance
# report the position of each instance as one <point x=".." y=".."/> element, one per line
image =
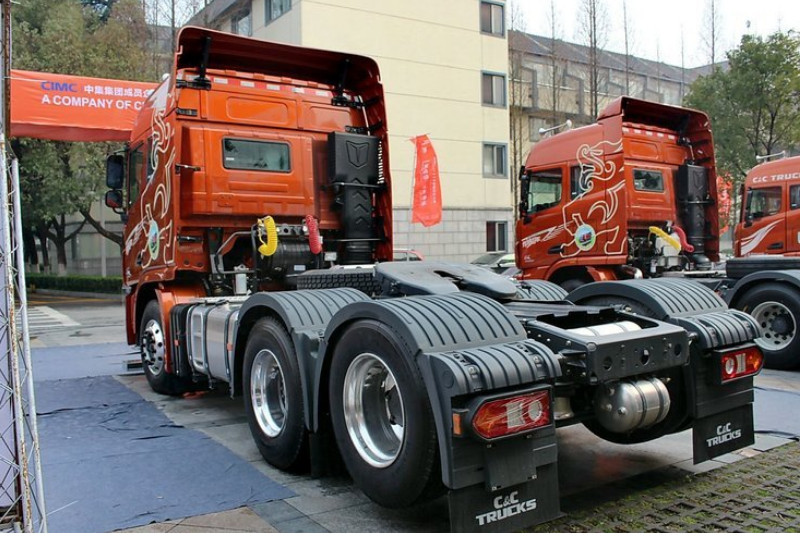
<point x="775" y="246"/>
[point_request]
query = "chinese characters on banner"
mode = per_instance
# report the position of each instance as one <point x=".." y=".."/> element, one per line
<point x="426" y="207"/>
<point x="74" y="108"/>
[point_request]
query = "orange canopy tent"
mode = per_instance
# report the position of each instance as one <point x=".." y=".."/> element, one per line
<point x="74" y="108"/>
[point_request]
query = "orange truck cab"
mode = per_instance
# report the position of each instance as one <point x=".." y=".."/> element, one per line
<point x="628" y="196"/>
<point x="770" y="216"/>
<point x="237" y="133"/>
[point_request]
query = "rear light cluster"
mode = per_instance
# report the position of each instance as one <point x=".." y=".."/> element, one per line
<point x="510" y="416"/>
<point x="741" y="363"/>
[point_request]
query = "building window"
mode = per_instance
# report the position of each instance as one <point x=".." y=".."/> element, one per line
<point x="494" y="89"/>
<point x="242" y="23"/>
<point x="276" y="8"/>
<point x="494" y="161"/>
<point x="496" y="236"/>
<point x="492" y="18"/>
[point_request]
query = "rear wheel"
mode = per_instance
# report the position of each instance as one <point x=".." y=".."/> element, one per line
<point x="776" y="308"/>
<point x="382" y="418"/>
<point x="273" y="398"/>
<point x="153" y="349"/>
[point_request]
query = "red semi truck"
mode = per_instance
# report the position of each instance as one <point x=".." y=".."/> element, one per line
<point x="256" y="194"/>
<point x="634" y="196"/>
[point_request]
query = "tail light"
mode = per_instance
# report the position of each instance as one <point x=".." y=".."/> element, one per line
<point x="744" y="362"/>
<point x="504" y="417"/>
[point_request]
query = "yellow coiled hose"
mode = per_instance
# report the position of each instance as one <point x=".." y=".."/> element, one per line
<point x="267" y="228"/>
<point x="669" y="239"/>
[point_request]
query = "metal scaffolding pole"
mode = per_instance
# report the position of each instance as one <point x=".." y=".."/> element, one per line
<point x="22" y="503"/>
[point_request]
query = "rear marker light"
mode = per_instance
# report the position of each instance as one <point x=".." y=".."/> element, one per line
<point x="741" y="363"/>
<point x="509" y="416"/>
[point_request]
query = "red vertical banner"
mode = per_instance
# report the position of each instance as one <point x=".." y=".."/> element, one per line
<point x="724" y="201"/>
<point x="426" y="207"/>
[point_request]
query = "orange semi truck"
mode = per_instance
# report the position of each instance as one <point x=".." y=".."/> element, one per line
<point x="256" y="194"/>
<point x="634" y="196"/>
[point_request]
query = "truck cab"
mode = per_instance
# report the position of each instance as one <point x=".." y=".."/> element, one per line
<point x="770" y="215"/>
<point x="628" y="196"/>
<point x="245" y="170"/>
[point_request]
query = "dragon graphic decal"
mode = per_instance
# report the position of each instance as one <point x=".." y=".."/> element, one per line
<point x="151" y="239"/>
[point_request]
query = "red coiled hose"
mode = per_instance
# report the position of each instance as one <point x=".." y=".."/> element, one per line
<point x="314" y="238"/>
<point x="682" y="237"/>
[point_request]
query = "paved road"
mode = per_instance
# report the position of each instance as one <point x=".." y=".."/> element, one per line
<point x="586" y="463"/>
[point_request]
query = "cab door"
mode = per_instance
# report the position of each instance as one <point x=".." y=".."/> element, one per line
<point x="793" y="221"/>
<point x="764" y="227"/>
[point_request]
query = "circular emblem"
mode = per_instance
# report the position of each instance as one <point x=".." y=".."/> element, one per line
<point x="585" y="237"/>
<point x="152" y="239"/>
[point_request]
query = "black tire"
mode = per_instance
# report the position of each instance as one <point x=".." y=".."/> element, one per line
<point x="360" y="279"/>
<point x="571" y="284"/>
<point x="776" y="308"/>
<point x="275" y="409"/>
<point x="152" y="347"/>
<point x="409" y="471"/>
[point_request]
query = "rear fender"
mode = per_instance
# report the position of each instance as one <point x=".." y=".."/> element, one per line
<point x="464" y="345"/>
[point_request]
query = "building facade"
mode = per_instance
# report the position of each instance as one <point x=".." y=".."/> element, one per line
<point x="444" y="71"/>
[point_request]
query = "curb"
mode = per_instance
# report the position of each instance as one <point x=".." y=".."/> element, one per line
<point x="78" y="294"/>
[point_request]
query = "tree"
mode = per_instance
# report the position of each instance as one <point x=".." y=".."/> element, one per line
<point x="519" y="95"/>
<point x="712" y="22"/>
<point x="754" y="106"/>
<point x="594" y="30"/>
<point x="59" y="179"/>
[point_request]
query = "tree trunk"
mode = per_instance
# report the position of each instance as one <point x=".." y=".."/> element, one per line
<point x="110" y="235"/>
<point x="41" y="234"/>
<point x="29" y="249"/>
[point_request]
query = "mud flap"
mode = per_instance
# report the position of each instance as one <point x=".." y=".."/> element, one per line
<point x="475" y="509"/>
<point x="723" y="433"/>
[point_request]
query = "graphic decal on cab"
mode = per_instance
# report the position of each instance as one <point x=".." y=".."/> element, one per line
<point x="152" y="236"/>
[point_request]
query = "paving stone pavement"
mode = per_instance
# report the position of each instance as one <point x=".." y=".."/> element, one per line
<point x="760" y="493"/>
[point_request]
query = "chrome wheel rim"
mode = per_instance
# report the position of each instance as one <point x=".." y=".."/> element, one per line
<point x="777" y="325"/>
<point x="268" y="393"/>
<point x="153" y="347"/>
<point x="373" y="410"/>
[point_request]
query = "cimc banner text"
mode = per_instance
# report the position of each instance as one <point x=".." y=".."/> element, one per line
<point x="74" y="108"/>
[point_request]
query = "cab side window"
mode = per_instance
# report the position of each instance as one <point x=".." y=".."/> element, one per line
<point x="241" y="154"/>
<point x="794" y="197"/>
<point x="545" y="189"/>
<point x="763" y="202"/>
<point x="578" y="181"/>
<point x="135" y="172"/>
<point x="648" y="180"/>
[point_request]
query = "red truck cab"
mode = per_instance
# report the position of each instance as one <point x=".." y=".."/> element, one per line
<point x="610" y="200"/>
<point x="770" y="216"/>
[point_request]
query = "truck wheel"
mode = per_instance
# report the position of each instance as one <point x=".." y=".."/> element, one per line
<point x="776" y="308"/>
<point x="152" y="345"/>
<point x="382" y="417"/>
<point x="273" y="397"/>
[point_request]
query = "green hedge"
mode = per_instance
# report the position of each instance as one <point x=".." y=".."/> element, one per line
<point x="109" y="284"/>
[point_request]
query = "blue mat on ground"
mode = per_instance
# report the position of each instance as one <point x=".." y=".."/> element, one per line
<point x="770" y="412"/>
<point x="111" y="460"/>
<point x="67" y="362"/>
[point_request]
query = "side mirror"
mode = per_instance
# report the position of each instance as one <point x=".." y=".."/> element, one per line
<point x="114" y="200"/>
<point x="115" y="172"/>
<point x="748" y="220"/>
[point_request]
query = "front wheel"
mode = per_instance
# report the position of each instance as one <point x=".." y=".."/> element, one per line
<point x="776" y="308"/>
<point x="382" y="418"/>
<point x="153" y="349"/>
